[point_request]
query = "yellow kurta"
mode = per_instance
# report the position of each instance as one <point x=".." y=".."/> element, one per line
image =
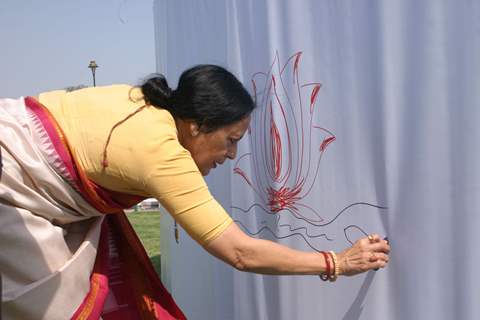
<point x="144" y="155"/>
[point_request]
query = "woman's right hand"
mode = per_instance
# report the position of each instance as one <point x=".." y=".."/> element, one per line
<point x="365" y="254"/>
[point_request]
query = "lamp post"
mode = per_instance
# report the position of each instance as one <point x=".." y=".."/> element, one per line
<point x="93" y="66"/>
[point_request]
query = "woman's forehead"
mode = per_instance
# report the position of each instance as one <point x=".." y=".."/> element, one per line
<point x="240" y="126"/>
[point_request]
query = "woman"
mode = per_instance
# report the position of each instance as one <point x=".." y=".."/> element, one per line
<point x="70" y="162"/>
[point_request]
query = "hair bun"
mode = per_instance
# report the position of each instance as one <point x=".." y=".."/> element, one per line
<point x="157" y="92"/>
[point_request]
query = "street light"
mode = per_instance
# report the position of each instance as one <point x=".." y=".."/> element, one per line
<point x="93" y="66"/>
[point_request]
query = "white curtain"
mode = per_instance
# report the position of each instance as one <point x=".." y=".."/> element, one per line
<point x="366" y="122"/>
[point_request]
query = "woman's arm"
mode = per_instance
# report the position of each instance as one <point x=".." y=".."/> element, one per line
<point x="262" y="256"/>
<point x="173" y="178"/>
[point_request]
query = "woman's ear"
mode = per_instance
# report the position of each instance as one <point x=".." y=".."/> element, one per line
<point x="194" y="129"/>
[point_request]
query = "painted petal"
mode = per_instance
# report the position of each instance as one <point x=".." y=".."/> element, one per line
<point x="326" y="142"/>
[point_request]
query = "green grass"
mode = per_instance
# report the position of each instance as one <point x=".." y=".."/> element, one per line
<point x="147" y="226"/>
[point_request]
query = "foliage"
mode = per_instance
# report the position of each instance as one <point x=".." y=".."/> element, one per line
<point x="147" y="226"/>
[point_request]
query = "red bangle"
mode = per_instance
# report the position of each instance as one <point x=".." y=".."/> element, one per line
<point x="325" y="276"/>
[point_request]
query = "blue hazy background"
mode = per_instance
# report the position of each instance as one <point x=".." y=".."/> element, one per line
<point x="47" y="45"/>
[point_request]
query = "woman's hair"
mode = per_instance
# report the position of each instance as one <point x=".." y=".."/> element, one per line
<point x="207" y="94"/>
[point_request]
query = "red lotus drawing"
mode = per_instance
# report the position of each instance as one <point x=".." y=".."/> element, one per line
<point x="287" y="144"/>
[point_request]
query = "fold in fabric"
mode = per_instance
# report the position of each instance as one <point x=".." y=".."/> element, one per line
<point x="67" y="249"/>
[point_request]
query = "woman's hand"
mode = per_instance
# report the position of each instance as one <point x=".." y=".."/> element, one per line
<point x="365" y="254"/>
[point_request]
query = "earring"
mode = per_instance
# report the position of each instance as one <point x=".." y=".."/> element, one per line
<point x="194" y="129"/>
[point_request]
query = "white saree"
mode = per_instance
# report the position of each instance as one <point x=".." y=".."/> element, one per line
<point x="48" y="232"/>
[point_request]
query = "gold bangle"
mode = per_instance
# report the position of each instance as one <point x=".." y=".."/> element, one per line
<point x="335" y="266"/>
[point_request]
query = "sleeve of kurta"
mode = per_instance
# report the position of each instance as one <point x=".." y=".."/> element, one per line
<point x="145" y="156"/>
<point x="176" y="182"/>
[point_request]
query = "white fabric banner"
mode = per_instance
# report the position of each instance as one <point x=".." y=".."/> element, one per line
<point x="366" y="122"/>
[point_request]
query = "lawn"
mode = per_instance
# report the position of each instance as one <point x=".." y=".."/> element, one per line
<point x="147" y="226"/>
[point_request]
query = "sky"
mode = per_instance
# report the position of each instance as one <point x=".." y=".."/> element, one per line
<point x="47" y="45"/>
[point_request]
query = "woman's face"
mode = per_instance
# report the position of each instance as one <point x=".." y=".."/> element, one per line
<point x="210" y="149"/>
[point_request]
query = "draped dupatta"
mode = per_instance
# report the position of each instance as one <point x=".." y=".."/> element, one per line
<point x="123" y="283"/>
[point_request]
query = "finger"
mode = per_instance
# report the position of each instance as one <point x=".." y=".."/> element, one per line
<point x="370" y="239"/>
<point x="363" y="242"/>
<point x="382" y="246"/>
<point x="372" y="257"/>
<point x="379" y="264"/>
<point x="382" y="256"/>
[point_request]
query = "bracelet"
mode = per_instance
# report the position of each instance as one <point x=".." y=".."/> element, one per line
<point x="325" y="276"/>
<point x="336" y="266"/>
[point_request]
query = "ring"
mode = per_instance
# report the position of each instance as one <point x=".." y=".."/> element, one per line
<point x="370" y="238"/>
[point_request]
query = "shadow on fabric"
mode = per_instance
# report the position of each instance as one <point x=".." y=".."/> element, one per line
<point x="356" y="308"/>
